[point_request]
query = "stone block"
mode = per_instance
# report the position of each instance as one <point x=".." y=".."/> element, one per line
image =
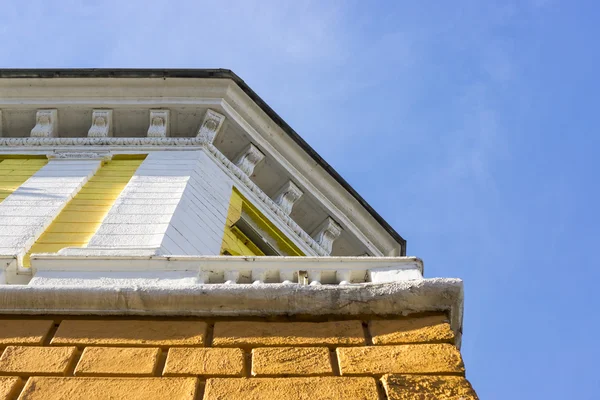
<point x="248" y="334"/>
<point x="204" y="362"/>
<point x="26" y="332"/>
<point x="9" y="385"/>
<point x="125" y="361"/>
<point x="306" y="361"/>
<point x="412" y="387"/>
<point x="130" y="333"/>
<point x="46" y="388"/>
<point x="440" y="358"/>
<point x="26" y="360"/>
<point x="433" y="328"/>
<point x="313" y="388"/>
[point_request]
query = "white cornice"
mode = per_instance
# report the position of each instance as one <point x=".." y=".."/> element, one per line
<point x="221" y="94"/>
<point x="51" y="142"/>
<point x="271" y="208"/>
<point x="302" y="180"/>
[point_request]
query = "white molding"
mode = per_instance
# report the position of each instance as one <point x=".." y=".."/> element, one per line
<point x="305" y="182"/>
<point x="210" y="126"/>
<point x="221" y="94"/>
<point x="109" y="102"/>
<point x="76" y="155"/>
<point x="326" y="234"/>
<point x="102" y="125"/>
<point x="221" y="269"/>
<point x="273" y="209"/>
<point x="249" y="158"/>
<point x="287" y="196"/>
<point x="159" y="123"/>
<point x="46" y="124"/>
<point x="0" y="123"/>
<point x="107" y="141"/>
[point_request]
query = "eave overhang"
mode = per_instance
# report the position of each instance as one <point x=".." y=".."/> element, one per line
<point x="222" y="74"/>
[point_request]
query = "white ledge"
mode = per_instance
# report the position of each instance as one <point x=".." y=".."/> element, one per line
<point x="266" y="300"/>
<point x="235" y="270"/>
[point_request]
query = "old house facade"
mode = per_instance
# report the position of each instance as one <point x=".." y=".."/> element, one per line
<point x="165" y="234"/>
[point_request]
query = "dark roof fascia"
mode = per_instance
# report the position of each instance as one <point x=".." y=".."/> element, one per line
<point x="206" y="74"/>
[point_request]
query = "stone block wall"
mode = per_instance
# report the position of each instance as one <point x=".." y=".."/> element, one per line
<point x="242" y="359"/>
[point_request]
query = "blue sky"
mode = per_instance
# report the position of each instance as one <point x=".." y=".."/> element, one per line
<point x="471" y="126"/>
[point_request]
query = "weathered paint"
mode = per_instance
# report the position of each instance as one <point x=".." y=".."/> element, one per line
<point x="82" y="216"/>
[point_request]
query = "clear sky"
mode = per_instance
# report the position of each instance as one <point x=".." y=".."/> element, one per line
<point x="471" y="126"/>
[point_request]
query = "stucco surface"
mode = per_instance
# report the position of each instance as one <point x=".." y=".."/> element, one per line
<point x="45" y="388"/>
<point x="272" y="334"/>
<point x="411" y="358"/>
<point x="123" y="361"/>
<point x="327" y="388"/>
<point x="292" y="361"/>
<point x="8" y="386"/>
<point x="412" y="330"/>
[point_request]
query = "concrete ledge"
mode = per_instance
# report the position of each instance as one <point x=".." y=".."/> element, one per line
<point x="218" y="300"/>
<point x="233" y="269"/>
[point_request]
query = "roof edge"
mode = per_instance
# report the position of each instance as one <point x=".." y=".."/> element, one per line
<point x="217" y="73"/>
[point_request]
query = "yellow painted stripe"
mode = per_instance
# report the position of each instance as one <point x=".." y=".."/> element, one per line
<point x="15" y="171"/>
<point x="81" y="217"/>
<point x="235" y="243"/>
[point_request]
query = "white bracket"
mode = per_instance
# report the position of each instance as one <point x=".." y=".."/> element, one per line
<point x="326" y="234"/>
<point x="101" y="123"/>
<point x="287" y="196"/>
<point x="46" y="124"/>
<point x="211" y="124"/>
<point x="159" y="123"/>
<point x="249" y="159"/>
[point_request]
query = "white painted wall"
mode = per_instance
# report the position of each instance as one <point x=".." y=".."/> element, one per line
<point x="198" y="223"/>
<point x="175" y="203"/>
<point x="139" y="217"/>
<point x="29" y="210"/>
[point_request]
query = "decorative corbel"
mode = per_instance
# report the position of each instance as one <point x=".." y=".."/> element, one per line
<point x="46" y="124"/>
<point x="159" y="123"/>
<point x="211" y="124"/>
<point x="287" y="196"/>
<point x="249" y="159"/>
<point x="102" y="125"/>
<point x="326" y="234"/>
